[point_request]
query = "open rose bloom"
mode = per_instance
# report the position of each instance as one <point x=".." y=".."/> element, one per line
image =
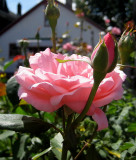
<point x="48" y="85"/>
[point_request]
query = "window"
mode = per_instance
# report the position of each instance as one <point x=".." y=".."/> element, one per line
<point x="14" y="50"/>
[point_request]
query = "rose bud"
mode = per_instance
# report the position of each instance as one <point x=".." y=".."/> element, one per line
<point x="52" y="13"/>
<point x="126" y="46"/>
<point x="105" y="55"/>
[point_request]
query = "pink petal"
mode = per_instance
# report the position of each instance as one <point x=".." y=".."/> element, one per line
<point x="73" y="82"/>
<point x="44" y="60"/>
<point x="47" y="76"/>
<point x="36" y="100"/>
<point x="100" y="118"/>
<point x="110" y="44"/>
<point x="107" y="94"/>
<point x="26" y="77"/>
<point x="116" y="95"/>
<point x="78" y="95"/>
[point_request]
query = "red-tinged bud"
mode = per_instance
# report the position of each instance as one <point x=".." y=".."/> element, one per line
<point x="52" y="13"/>
<point x="126" y="45"/>
<point x="105" y="55"/>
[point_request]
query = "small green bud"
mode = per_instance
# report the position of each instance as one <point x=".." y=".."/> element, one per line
<point x="23" y="43"/>
<point x="37" y="36"/>
<point x="100" y="61"/>
<point x="52" y="13"/>
<point x="126" y="45"/>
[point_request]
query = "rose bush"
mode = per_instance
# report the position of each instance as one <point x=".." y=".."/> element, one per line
<point x="48" y="85"/>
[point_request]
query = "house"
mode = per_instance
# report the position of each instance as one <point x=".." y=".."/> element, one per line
<point x="6" y="16"/>
<point x="26" y="27"/>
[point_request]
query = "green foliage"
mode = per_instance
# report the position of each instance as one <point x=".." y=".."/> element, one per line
<point x="120" y="136"/>
<point x="7" y="64"/>
<point x="119" y="12"/>
<point x="12" y="89"/>
<point x="42" y="153"/>
<point x="56" y="144"/>
<point x="21" y="123"/>
<point x="19" y="150"/>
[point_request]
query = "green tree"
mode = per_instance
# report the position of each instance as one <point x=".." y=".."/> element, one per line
<point x="119" y="12"/>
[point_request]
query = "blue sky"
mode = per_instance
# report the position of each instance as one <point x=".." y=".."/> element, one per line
<point x="26" y="4"/>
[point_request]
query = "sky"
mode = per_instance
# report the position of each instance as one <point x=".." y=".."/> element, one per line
<point x="26" y="4"/>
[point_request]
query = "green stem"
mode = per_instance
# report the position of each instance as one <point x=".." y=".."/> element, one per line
<point x="64" y="119"/>
<point x="38" y="46"/>
<point x="87" y="144"/>
<point x="26" y="62"/>
<point x="24" y="50"/>
<point x="98" y="77"/>
<point x="65" y="148"/>
<point x="39" y="113"/>
<point x="126" y="66"/>
<point x="57" y="129"/>
<point x="64" y="151"/>
<point x="81" y="30"/>
<point x="87" y="106"/>
<point x="54" y="40"/>
<point x="51" y="2"/>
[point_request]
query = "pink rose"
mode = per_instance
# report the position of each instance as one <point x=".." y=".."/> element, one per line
<point x="48" y="85"/>
<point x="89" y="48"/>
<point x="107" y="21"/>
<point x="116" y="31"/>
<point x="69" y="47"/>
<point x="80" y="15"/>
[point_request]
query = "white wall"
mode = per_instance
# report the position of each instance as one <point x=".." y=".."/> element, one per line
<point x="68" y="16"/>
<point x="27" y="28"/>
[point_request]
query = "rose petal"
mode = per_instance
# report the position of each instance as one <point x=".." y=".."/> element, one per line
<point x="80" y="94"/>
<point x="110" y="44"/>
<point x="26" y="77"/>
<point x="101" y="119"/>
<point x="38" y="102"/>
<point x="44" y="60"/>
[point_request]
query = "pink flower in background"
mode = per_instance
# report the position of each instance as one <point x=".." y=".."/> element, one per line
<point x="89" y="48"/>
<point x="69" y="47"/>
<point x="107" y="21"/>
<point x="80" y="15"/>
<point x="67" y="23"/>
<point x="48" y="85"/>
<point x="116" y="31"/>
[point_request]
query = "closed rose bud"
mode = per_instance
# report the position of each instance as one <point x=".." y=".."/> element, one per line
<point x="126" y="46"/>
<point x="105" y="55"/>
<point x="52" y="13"/>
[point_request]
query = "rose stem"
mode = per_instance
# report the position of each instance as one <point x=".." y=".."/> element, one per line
<point x="98" y="77"/>
<point x="54" y="40"/>
<point x="66" y="133"/>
